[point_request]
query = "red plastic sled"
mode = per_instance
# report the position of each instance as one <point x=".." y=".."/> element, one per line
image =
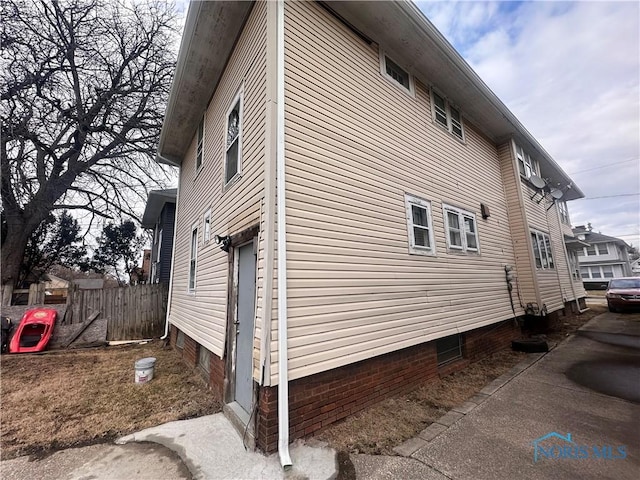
<point x="34" y="332"/>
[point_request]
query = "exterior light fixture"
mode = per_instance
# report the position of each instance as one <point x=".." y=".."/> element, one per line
<point x="224" y="242"/>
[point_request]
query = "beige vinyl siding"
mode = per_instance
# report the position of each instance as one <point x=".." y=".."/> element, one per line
<point x="524" y="268"/>
<point x="553" y="290"/>
<point x="202" y="315"/>
<point x="355" y="144"/>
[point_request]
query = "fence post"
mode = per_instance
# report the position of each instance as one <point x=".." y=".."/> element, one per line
<point x="7" y="294"/>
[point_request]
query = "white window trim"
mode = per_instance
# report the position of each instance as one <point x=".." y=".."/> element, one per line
<point x="206" y="232"/>
<point x="193" y="257"/>
<point x="200" y="143"/>
<point x="239" y="97"/>
<point x="597" y="248"/>
<point x="531" y="166"/>
<point x="563" y="209"/>
<point x="411" y="91"/>
<point x="600" y="268"/>
<point x="463" y="234"/>
<point x="448" y="106"/>
<point x="547" y="254"/>
<point x="410" y="200"/>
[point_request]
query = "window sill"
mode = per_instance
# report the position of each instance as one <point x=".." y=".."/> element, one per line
<point x="423" y="253"/>
<point x="448" y="132"/>
<point x="234" y="180"/>
<point x="198" y="171"/>
<point x="456" y="251"/>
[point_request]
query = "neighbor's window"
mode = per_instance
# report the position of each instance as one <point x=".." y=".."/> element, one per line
<point x="204" y="357"/>
<point x="596" y="249"/>
<point x="460" y="227"/>
<point x="200" y="144"/>
<point x="542" y="250"/>
<point x="193" y="258"/>
<point x="206" y="227"/>
<point x="597" y="272"/>
<point x="526" y="165"/>
<point x="449" y="349"/>
<point x="447" y="115"/>
<point x="395" y="73"/>
<point x="419" y="226"/>
<point x="233" y="140"/>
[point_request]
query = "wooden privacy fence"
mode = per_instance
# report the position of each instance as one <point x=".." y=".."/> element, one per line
<point x="133" y="312"/>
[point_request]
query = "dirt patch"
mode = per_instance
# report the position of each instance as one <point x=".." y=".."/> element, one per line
<point x="378" y="429"/>
<point x="73" y="398"/>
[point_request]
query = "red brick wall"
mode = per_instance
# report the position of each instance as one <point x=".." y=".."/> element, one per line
<point x="216" y="375"/>
<point x="490" y="339"/>
<point x="327" y="397"/>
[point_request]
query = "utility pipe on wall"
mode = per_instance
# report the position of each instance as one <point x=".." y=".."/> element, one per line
<point x="283" y="377"/>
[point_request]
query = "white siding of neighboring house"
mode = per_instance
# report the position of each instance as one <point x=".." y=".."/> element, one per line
<point x="355" y="144"/>
<point x="202" y="315"/>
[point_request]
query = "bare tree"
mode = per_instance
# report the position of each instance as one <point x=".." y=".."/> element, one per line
<point x="84" y="84"/>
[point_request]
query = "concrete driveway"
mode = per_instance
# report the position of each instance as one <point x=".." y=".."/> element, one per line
<point x="574" y="413"/>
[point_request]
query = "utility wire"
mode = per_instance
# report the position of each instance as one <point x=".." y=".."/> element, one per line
<point x="603" y="166"/>
<point x="612" y="196"/>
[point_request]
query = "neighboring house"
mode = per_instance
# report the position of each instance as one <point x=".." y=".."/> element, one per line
<point x="159" y="216"/>
<point x="382" y="215"/>
<point x="602" y="258"/>
<point x="635" y="267"/>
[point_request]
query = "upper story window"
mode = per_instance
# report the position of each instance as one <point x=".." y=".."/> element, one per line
<point x="193" y="255"/>
<point x="526" y="165"/>
<point x="564" y="212"/>
<point x="542" y="250"/>
<point x="199" y="146"/>
<point x="419" y="225"/>
<point x="461" y="229"/>
<point x="596" y="249"/>
<point x="206" y="226"/>
<point x="604" y="271"/>
<point x="396" y="74"/>
<point x="447" y="115"/>
<point x="233" y="140"/>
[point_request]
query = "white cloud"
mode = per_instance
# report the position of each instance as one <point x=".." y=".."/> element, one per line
<point x="570" y="72"/>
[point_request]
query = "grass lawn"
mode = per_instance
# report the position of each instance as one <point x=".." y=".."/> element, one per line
<point x="79" y="397"/>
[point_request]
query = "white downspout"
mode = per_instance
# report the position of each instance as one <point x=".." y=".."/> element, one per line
<point x="283" y="377"/>
<point x="173" y="259"/>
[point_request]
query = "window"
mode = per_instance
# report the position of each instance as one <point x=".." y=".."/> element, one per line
<point x="596" y="249"/>
<point x="159" y="246"/>
<point x="180" y="339"/>
<point x="597" y="272"/>
<point x="396" y="74"/>
<point x="461" y="231"/>
<point x="206" y="227"/>
<point x="200" y="144"/>
<point x="526" y="165"/>
<point x="573" y="264"/>
<point x="449" y="349"/>
<point x="193" y="258"/>
<point x="446" y="115"/>
<point x="204" y="359"/>
<point x="542" y="250"/>
<point x="419" y="225"/>
<point x="564" y="212"/>
<point x="233" y="140"/>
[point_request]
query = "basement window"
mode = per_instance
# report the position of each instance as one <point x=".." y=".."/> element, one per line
<point x="204" y="359"/>
<point x="180" y="339"/>
<point x="449" y="349"/>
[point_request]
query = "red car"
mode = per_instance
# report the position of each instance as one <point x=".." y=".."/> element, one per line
<point x="623" y="293"/>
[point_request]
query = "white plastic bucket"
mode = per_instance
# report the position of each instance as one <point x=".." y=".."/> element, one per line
<point x="144" y="369"/>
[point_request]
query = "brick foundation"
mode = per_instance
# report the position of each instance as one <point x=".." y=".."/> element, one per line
<point x="327" y="397"/>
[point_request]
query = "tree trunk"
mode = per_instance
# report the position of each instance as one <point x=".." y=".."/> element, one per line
<point x="13" y="248"/>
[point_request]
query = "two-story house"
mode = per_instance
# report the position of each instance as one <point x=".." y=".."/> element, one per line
<point x="356" y="210"/>
<point x="159" y="217"/>
<point x="601" y="258"/>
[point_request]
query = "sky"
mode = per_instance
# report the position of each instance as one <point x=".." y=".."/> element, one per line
<point x="570" y="72"/>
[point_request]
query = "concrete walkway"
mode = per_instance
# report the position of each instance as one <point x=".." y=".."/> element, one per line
<point x="492" y="436"/>
<point x="201" y="448"/>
